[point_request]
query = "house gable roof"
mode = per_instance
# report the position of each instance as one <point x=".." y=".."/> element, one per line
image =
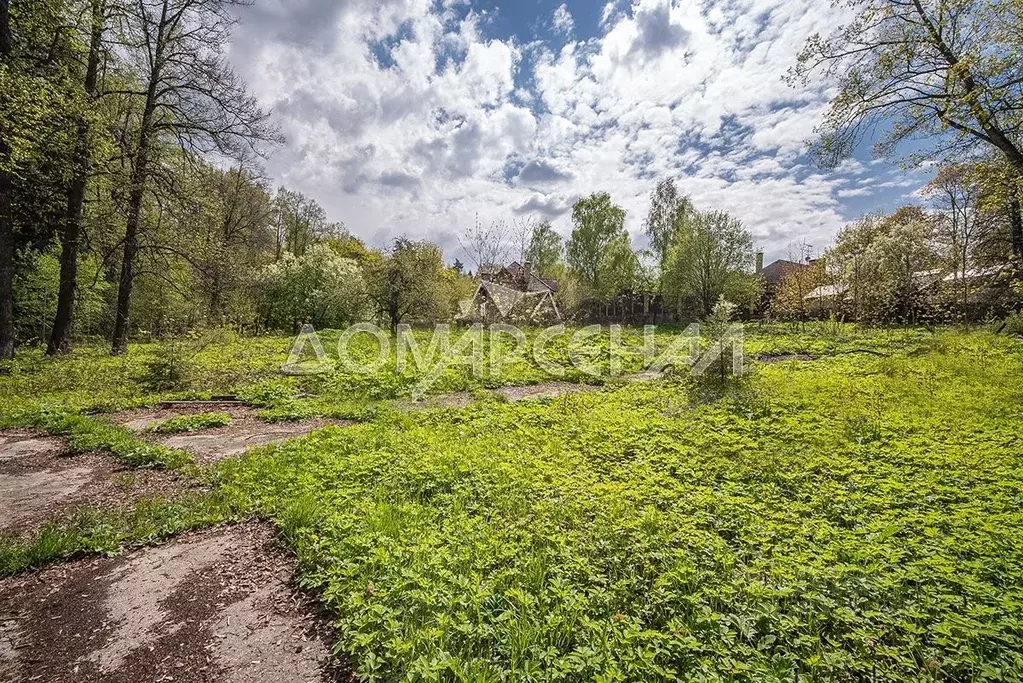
<point x="779" y="270"/>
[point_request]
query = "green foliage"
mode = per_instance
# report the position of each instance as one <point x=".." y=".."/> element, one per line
<point x="711" y="256"/>
<point x="717" y="327"/>
<point x="844" y="518"/>
<point x="192" y="423"/>
<point x="319" y="287"/>
<point x="597" y="223"/>
<point x="1014" y="324"/>
<point x="166" y="373"/>
<point x="852" y="518"/>
<point x="545" y="249"/>
<point x="35" y="294"/>
<point x="409" y="283"/>
<point x="92" y="531"/>
<point x="877" y="257"/>
<point x="618" y="270"/>
<point x="940" y="72"/>
<point x="85" y="434"/>
<point x="669" y="212"/>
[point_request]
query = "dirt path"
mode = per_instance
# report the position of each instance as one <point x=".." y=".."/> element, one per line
<point x="213" y="606"/>
<point x="38" y="483"/>
<point x="233" y="440"/>
<point x="210" y="445"/>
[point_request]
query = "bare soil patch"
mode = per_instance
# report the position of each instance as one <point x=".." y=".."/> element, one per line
<point x="769" y="358"/>
<point x="234" y="439"/>
<point x="546" y="390"/>
<point x="462" y="399"/>
<point x="16" y="444"/>
<point x="148" y="418"/>
<point x="211" y="606"/>
<point x="41" y="485"/>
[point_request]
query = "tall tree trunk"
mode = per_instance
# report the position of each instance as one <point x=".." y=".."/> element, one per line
<point x="131" y="237"/>
<point x="139" y="175"/>
<point x="6" y="265"/>
<point x="1016" y="224"/>
<point x="60" y="335"/>
<point x="6" y="217"/>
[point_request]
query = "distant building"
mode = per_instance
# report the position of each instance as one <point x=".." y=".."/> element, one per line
<point x="773" y="276"/>
<point x="513" y="292"/>
<point x="776" y="273"/>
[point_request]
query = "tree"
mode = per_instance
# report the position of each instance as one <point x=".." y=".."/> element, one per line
<point x="6" y="217"/>
<point x="522" y="230"/>
<point x="712" y="257"/>
<point x="948" y="71"/>
<point x="300" y="222"/>
<point x="408" y="281"/>
<point x="485" y="245"/>
<point x="228" y="236"/>
<point x="597" y="223"/>
<point x="789" y="301"/>
<point x="36" y="111"/>
<point x="189" y="96"/>
<point x="63" y="321"/>
<point x="961" y="226"/>
<point x="668" y="210"/>
<point x="1001" y="191"/>
<point x="318" y="286"/>
<point x="618" y="269"/>
<point x="545" y="249"/>
<point x="878" y="258"/>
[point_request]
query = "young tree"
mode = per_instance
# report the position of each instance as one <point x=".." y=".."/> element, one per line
<point x="712" y="257"/>
<point x="408" y="281"/>
<point x="485" y="245"/>
<point x="597" y="223"/>
<point x="618" y="269"/>
<point x="521" y="234"/>
<point x="668" y="210"/>
<point x="947" y="71"/>
<point x="545" y="249"/>
<point x="190" y="96"/>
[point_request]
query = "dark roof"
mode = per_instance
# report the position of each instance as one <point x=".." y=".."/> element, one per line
<point x="779" y="270"/>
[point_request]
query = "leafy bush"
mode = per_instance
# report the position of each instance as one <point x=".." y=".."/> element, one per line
<point x="1014" y="324"/>
<point x="192" y="423"/>
<point x="166" y="373"/>
<point x="319" y="286"/>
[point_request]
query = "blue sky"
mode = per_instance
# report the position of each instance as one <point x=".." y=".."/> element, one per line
<point x="413" y="116"/>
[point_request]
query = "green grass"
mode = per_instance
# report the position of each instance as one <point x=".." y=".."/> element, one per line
<point x="855" y="517"/>
<point x="92" y="531"/>
<point x="84" y="434"/>
<point x="842" y="519"/>
<point x="192" y="423"/>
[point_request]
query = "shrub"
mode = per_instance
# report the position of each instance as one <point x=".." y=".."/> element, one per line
<point x="1014" y="324"/>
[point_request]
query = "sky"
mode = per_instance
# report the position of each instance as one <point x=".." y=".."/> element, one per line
<point x="413" y="117"/>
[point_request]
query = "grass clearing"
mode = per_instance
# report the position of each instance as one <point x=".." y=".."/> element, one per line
<point x="852" y="517"/>
<point x="849" y="517"/>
